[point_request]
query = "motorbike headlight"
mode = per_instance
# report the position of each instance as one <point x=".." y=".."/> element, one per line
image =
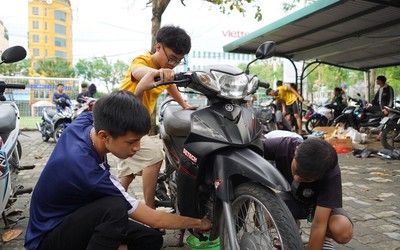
<point x="208" y="82"/>
<point x="232" y="87"/>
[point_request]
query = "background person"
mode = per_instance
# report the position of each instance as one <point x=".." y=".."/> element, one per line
<point x="311" y="167"/>
<point x="173" y="43"/>
<point x="59" y="93"/>
<point x="383" y="97"/>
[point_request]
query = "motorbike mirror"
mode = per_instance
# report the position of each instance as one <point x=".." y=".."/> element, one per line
<point x="264" y="51"/>
<point x="13" y="54"/>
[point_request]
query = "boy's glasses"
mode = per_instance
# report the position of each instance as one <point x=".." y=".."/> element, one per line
<point x="172" y="61"/>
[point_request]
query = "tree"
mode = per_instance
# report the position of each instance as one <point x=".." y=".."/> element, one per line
<point x="56" y="67"/>
<point x="18" y="68"/>
<point x="288" y="6"/>
<point x="99" y="68"/>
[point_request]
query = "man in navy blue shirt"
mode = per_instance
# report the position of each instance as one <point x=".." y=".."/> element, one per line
<point x="78" y="204"/>
<point x="59" y="93"/>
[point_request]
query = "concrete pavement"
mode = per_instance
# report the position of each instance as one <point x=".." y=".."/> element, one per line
<point x="370" y="194"/>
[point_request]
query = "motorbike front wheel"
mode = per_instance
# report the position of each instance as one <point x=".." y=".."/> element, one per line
<point x="261" y="219"/>
<point x="315" y="122"/>
<point x="390" y="137"/>
<point x="57" y="133"/>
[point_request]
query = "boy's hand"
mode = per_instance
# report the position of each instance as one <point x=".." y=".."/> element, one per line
<point x="166" y="74"/>
<point x="205" y="225"/>
<point x="191" y="107"/>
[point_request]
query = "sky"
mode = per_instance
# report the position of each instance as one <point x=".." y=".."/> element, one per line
<point x="121" y="29"/>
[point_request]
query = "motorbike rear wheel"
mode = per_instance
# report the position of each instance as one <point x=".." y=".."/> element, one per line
<point x="315" y="122"/>
<point x="390" y="137"/>
<point x="57" y="133"/>
<point x="261" y="219"/>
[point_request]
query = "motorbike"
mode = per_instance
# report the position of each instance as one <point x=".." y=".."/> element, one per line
<point x="266" y="113"/>
<point x="324" y="116"/>
<point x="390" y="135"/>
<point x="54" y="121"/>
<point x="10" y="147"/>
<point x="215" y="165"/>
<point x="86" y="104"/>
<point x="359" y="117"/>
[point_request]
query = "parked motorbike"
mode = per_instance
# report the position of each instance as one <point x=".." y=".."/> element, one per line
<point x="324" y="116"/>
<point x="359" y="117"/>
<point x="266" y="113"/>
<point x="10" y="147"/>
<point x="86" y="104"/>
<point x="214" y="162"/>
<point x="390" y="135"/>
<point x="54" y="121"/>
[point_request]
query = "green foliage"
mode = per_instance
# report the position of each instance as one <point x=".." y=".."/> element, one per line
<point x="56" y="67"/>
<point x="99" y="68"/>
<point x="18" y="68"/>
<point x="227" y="6"/>
<point x="288" y="6"/>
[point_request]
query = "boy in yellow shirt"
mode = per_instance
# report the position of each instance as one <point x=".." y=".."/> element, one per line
<point x="173" y="43"/>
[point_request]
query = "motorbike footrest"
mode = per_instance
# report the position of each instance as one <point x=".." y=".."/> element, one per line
<point x="27" y="167"/>
<point x="166" y="203"/>
<point x="23" y="191"/>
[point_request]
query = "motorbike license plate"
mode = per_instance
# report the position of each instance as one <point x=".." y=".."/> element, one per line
<point x="384" y="120"/>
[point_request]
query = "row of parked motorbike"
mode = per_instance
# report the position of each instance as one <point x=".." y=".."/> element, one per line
<point x="56" y="120"/>
<point x="359" y="117"/>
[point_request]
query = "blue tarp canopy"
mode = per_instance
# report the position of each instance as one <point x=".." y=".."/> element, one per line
<point x="355" y="34"/>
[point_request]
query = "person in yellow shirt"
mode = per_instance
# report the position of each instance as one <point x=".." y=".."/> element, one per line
<point x="173" y="43"/>
<point x="288" y="97"/>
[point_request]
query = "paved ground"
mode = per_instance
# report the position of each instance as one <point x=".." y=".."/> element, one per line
<point x="371" y="196"/>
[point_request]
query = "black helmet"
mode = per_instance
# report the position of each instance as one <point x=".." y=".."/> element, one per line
<point x="62" y="102"/>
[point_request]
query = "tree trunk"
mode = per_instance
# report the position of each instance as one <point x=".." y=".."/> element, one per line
<point x="158" y="8"/>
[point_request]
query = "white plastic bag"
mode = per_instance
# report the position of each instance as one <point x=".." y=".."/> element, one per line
<point x="356" y="137"/>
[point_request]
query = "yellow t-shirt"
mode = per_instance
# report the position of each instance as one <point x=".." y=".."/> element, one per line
<point x="129" y="83"/>
<point x="287" y="96"/>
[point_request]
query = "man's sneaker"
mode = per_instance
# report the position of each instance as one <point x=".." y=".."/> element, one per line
<point x="304" y="237"/>
<point x="328" y="245"/>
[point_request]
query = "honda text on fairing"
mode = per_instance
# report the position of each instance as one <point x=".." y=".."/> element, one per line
<point x="10" y="147"/>
<point x="215" y="164"/>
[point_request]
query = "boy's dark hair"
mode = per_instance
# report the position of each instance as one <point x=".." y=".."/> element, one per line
<point x="279" y="83"/>
<point x="121" y="112"/>
<point x="268" y="91"/>
<point x="381" y="78"/>
<point x="84" y="85"/>
<point x="337" y="89"/>
<point x="60" y="84"/>
<point x="315" y="159"/>
<point x="174" y="38"/>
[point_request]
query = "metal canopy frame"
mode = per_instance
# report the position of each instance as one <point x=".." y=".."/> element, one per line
<point x="353" y="34"/>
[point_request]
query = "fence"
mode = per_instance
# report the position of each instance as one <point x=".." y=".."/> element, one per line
<point x="37" y="95"/>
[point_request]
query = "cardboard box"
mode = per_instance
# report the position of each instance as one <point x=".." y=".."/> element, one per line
<point x="341" y="143"/>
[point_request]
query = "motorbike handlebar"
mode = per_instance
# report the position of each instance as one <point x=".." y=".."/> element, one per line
<point x="180" y="79"/>
<point x="263" y="85"/>
<point x="11" y="86"/>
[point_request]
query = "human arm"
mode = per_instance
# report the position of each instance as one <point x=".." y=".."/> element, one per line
<point x="173" y="91"/>
<point x="318" y="228"/>
<point x="162" y="219"/>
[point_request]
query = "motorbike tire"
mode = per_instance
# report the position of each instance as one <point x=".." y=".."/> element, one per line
<point x="315" y="122"/>
<point x="57" y="133"/>
<point x="14" y="160"/>
<point x="45" y="138"/>
<point x="390" y="137"/>
<point x="278" y="222"/>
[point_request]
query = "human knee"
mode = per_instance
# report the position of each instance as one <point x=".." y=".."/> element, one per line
<point x="344" y="237"/>
<point x="341" y="231"/>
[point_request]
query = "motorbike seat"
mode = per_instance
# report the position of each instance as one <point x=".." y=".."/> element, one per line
<point x="50" y="112"/>
<point x="177" y="120"/>
<point x="7" y="118"/>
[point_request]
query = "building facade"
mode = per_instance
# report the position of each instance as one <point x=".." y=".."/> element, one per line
<point x="49" y="30"/>
<point x="3" y="37"/>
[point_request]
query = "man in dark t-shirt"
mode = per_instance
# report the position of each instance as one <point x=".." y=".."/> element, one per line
<point x="311" y="167"/>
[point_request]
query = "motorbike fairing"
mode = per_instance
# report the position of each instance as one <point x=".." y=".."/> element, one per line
<point x="244" y="164"/>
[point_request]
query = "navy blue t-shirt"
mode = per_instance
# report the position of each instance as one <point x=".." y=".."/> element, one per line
<point x="74" y="176"/>
<point x="325" y="192"/>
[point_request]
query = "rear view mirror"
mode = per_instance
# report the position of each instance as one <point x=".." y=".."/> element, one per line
<point x="13" y="54"/>
<point x="266" y="50"/>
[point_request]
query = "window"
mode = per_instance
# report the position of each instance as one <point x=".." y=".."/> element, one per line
<point x="36" y="52"/>
<point x="60" y="54"/>
<point x="35" y="38"/>
<point x="35" y="25"/>
<point x="45" y="53"/>
<point x="194" y="54"/>
<point x="45" y="39"/>
<point x="199" y="54"/>
<point x="45" y="25"/>
<point x="60" y="29"/>
<point x="35" y="11"/>
<point x="60" y="42"/>
<point x="59" y="15"/>
<point x="45" y="12"/>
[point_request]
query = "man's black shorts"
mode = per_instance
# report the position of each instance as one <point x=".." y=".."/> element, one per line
<point x="292" y="109"/>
